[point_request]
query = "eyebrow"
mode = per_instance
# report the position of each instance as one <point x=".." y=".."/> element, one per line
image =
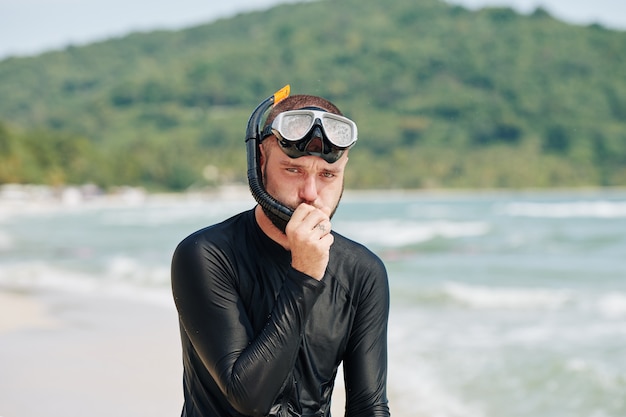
<point x="294" y="164"/>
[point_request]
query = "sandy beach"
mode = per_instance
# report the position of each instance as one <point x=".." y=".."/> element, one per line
<point x="79" y="355"/>
<point x="66" y="355"/>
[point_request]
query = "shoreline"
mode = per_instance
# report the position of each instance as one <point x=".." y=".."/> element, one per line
<point x="29" y="197"/>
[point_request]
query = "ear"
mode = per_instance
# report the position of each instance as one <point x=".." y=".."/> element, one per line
<point x="262" y="154"/>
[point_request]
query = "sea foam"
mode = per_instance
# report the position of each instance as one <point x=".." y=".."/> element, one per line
<point x="593" y="209"/>
<point x="397" y="233"/>
<point x="483" y="297"/>
<point x="613" y="305"/>
<point x="121" y="279"/>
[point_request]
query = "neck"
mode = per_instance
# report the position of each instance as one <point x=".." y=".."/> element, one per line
<point x="269" y="229"/>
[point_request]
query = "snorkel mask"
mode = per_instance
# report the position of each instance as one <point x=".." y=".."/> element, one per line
<point x="312" y="131"/>
<point x="308" y="131"/>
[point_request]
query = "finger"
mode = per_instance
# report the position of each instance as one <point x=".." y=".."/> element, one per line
<point x="299" y="215"/>
<point x="328" y="239"/>
<point x="309" y="216"/>
<point x="301" y="212"/>
<point x="323" y="227"/>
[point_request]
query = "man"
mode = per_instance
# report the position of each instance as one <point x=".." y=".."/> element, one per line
<point x="268" y="312"/>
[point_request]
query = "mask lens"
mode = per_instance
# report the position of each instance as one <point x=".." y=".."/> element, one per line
<point x="338" y="131"/>
<point x="296" y="126"/>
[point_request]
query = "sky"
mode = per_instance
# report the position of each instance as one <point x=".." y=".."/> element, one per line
<point x="30" y="27"/>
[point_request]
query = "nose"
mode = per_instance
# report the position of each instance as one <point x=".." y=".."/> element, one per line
<point x="308" y="189"/>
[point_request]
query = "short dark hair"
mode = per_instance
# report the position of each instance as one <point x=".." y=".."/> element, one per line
<point x="300" y="101"/>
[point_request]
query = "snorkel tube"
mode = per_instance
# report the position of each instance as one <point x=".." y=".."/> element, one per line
<point x="275" y="210"/>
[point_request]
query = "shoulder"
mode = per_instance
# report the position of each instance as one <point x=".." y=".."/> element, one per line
<point x="217" y="237"/>
<point x="354" y="252"/>
<point x="219" y="231"/>
<point x="208" y="256"/>
<point x="352" y="259"/>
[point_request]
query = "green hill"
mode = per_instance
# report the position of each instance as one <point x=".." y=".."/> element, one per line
<point x="443" y="96"/>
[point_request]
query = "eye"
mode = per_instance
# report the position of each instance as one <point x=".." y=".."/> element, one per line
<point x="327" y="174"/>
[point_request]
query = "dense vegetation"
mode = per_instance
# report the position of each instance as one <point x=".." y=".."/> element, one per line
<point x="444" y="97"/>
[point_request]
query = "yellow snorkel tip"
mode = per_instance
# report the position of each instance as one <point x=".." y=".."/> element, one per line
<point x="282" y="94"/>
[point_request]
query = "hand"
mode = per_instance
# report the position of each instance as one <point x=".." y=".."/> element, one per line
<point x="309" y="237"/>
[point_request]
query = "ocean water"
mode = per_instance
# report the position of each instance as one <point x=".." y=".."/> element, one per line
<point x="503" y="304"/>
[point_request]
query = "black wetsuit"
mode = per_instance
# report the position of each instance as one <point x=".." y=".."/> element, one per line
<point x="260" y="338"/>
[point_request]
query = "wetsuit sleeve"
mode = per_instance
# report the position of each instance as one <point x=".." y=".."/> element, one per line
<point x="249" y="369"/>
<point x="365" y="361"/>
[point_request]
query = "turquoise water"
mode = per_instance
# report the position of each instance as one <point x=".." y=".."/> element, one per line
<point x="503" y="304"/>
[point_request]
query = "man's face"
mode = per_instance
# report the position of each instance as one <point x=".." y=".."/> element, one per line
<point x="308" y="179"/>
